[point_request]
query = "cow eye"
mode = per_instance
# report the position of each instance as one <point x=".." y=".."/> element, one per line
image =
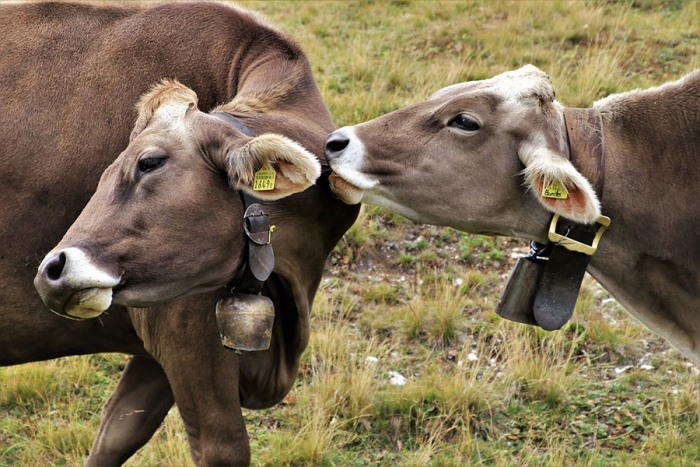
<point x="464" y="122"/>
<point x="150" y="163"/>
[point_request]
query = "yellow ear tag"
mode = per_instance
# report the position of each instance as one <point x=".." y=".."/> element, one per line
<point x="264" y="180"/>
<point x="555" y="190"/>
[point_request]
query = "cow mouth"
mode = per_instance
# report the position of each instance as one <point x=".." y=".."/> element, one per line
<point x="344" y="190"/>
<point x="87" y="303"/>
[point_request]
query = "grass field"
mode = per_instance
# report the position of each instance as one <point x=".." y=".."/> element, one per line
<point x="408" y="365"/>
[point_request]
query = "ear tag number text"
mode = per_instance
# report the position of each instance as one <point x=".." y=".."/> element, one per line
<point x="264" y="180"/>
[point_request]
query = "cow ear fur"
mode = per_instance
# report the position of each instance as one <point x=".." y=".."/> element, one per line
<point x="543" y="167"/>
<point x="295" y="168"/>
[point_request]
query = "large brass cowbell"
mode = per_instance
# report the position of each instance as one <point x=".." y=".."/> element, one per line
<point x="245" y="321"/>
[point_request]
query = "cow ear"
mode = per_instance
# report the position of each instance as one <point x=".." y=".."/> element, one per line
<point x="559" y="186"/>
<point x="272" y="166"/>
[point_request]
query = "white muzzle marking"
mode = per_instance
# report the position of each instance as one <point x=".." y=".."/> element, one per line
<point x="349" y="164"/>
<point x="93" y="285"/>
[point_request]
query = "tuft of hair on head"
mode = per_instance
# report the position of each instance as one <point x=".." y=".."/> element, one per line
<point x="167" y="91"/>
<point x="527" y="82"/>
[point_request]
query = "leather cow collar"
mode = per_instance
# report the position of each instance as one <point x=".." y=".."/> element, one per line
<point x="543" y="287"/>
<point x="260" y="258"/>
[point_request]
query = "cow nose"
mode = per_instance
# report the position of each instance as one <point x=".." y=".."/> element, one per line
<point x="53" y="268"/>
<point x="335" y="145"/>
<point x="50" y="280"/>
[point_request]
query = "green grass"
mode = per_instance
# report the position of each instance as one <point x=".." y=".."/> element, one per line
<point x="415" y="300"/>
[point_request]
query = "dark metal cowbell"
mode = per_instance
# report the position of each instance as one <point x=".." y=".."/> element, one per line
<point x="518" y="297"/>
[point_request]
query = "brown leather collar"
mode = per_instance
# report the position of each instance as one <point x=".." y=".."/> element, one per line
<point x="586" y="145"/>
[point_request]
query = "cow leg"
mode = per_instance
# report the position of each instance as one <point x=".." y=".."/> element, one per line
<point x="203" y="375"/>
<point x="133" y="413"/>
<point x="209" y="404"/>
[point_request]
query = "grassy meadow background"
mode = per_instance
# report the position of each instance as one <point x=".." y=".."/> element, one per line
<point x="408" y="365"/>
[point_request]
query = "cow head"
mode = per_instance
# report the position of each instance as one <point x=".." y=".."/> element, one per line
<point x="166" y="220"/>
<point x="478" y="156"/>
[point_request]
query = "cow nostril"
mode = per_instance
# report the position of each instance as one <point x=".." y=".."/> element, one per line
<point x="335" y="144"/>
<point x="54" y="268"/>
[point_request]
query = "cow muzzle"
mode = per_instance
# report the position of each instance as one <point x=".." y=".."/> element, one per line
<point x="345" y="153"/>
<point x="71" y="285"/>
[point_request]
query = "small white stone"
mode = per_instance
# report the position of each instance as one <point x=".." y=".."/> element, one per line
<point x="397" y="379"/>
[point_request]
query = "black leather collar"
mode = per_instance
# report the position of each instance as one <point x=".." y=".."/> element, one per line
<point x="260" y="258"/>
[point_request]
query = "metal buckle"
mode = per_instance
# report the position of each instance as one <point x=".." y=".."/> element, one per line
<point x="257" y="225"/>
<point x="573" y="245"/>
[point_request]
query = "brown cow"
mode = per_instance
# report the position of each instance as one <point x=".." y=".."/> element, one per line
<point x="70" y="77"/>
<point x="478" y="156"/>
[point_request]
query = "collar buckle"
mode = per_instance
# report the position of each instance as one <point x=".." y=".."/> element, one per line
<point x="574" y="245"/>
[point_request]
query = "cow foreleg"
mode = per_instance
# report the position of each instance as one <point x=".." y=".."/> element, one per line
<point x="203" y="375"/>
<point x="133" y="413"/>
<point x="208" y="401"/>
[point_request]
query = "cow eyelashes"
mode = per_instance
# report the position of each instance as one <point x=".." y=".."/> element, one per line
<point x="464" y="122"/>
<point x="148" y="164"/>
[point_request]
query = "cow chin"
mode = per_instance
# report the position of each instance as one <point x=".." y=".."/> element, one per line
<point x="345" y="191"/>
<point x="88" y="303"/>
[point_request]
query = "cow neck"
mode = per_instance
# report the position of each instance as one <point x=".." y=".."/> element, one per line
<point x="543" y="287"/>
<point x="584" y="130"/>
<point x="260" y="259"/>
